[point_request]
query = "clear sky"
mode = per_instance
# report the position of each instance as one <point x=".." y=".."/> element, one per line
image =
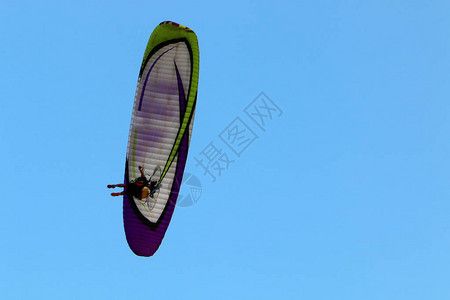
<point x="342" y="193"/>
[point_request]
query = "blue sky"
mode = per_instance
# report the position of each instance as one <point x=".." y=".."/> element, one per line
<point x="343" y="195"/>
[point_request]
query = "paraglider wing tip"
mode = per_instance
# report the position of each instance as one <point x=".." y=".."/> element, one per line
<point x="176" y="25"/>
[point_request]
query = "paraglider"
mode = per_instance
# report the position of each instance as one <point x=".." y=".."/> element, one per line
<point x="140" y="188"/>
<point x="159" y="136"/>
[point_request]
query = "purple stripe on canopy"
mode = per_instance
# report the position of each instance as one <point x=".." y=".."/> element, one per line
<point x="142" y="239"/>
<point x="148" y="74"/>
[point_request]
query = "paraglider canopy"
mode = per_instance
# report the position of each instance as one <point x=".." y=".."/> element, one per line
<point x="160" y="131"/>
